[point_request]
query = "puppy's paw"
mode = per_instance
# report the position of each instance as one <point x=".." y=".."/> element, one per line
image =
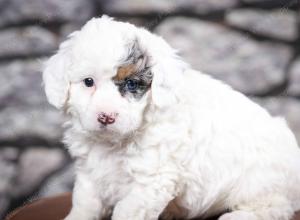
<point x="239" y="215"/>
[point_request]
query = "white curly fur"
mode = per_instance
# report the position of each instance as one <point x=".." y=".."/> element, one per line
<point x="191" y="143"/>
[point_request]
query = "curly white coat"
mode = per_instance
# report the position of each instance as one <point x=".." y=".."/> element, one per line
<point x="190" y="147"/>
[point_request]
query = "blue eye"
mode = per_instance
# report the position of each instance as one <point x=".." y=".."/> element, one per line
<point x="131" y="85"/>
<point x="89" y="82"/>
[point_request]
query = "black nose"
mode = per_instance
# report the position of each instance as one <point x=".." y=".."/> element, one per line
<point x="106" y="119"/>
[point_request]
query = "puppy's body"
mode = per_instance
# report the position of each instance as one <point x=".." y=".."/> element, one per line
<point x="193" y="147"/>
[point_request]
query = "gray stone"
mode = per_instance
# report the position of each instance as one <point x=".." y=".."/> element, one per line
<point x="294" y="87"/>
<point x="279" y="24"/>
<point x="45" y="11"/>
<point x="60" y="182"/>
<point x="34" y="166"/>
<point x="206" y="6"/>
<point x="137" y="6"/>
<point x="165" y="7"/>
<point x="26" y="42"/>
<point x="271" y="3"/>
<point x="10" y="154"/>
<point x="2" y="3"/>
<point x="289" y="108"/>
<point x="138" y="21"/>
<point x="8" y="172"/>
<point x="247" y="65"/>
<point x="4" y="205"/>
<point x="24" y="110"/>
<point x="67" y="29"/>
<point x="8" y="169"/>
<point x="30" y="124"/>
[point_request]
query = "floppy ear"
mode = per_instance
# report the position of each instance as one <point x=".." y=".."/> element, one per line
<point x="166" y="66"/>
<point x="167" y="75"/>
<point x="55" y="77"/>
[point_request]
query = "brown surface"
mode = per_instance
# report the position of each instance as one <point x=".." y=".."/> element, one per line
<point x="55" y="208"/>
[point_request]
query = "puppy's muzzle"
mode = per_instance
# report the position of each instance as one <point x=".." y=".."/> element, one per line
<point x="107" y="119"/>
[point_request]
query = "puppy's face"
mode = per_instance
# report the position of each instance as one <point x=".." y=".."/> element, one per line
<point x="105" y="77"/>
<point x="110" y="97"/>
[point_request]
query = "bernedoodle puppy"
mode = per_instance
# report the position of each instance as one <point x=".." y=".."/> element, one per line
<point x="153" y="138"/>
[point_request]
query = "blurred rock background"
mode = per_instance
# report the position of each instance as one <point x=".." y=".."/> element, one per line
<point x="253" y="45"/>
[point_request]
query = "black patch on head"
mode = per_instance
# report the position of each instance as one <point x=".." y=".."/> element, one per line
<point x="134" y="70"/>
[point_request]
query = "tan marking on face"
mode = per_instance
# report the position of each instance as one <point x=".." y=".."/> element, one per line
<point x="125" y="71"/>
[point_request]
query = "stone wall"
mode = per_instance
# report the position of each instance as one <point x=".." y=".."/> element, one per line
<point x="251" y="44"/>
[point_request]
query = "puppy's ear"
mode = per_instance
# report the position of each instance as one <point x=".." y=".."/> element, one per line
<point x="55" y="76"/>
<point x="167" y="77"/>
<point x="166" y="66"/>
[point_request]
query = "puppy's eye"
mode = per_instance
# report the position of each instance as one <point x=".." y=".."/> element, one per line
<point x="131" y="85"/>
<point x="89" y="82"/>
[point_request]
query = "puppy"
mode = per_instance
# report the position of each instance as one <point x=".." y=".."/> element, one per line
<point x="154" y="138"/>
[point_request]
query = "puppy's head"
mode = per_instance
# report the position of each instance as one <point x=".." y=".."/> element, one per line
<point x="108" y="73"/>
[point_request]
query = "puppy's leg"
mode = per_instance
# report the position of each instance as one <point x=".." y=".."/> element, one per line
<point x="144" y="203"/>
<point x="271" y="208"/>
<point x="86" y="203"/>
